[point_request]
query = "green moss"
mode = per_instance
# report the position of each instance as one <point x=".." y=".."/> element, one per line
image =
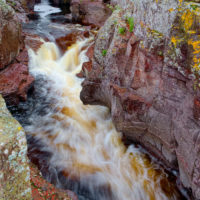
<point x="130" y="21"/>
<point x="122" y="30"/>
<point x="104" y="52"/>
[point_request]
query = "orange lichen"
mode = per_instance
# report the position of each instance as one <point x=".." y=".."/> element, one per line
<point x="187" y="19"/>
<point x="196" y="52"/>
<point x="175" y="41"/>
<point x="171" y="10"/>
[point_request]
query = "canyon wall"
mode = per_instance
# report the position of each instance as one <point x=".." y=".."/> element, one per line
<point x="145" y="66"/>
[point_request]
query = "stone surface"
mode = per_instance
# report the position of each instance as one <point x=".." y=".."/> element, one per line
<point x="145" y="67"/>
<point x="14" y="169"/>
<point x="90" y="12"/>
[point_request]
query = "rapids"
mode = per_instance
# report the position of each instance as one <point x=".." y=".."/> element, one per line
<point x="82" y="139"/>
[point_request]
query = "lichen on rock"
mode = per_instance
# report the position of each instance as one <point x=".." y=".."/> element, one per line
<point x="14" y="168"/>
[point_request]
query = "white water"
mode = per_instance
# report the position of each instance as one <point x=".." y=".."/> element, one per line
<point x="44" y="9"/>
<point x="83" y="139"/>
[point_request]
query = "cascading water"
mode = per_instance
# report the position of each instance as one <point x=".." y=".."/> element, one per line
<point x="82" y="140"/>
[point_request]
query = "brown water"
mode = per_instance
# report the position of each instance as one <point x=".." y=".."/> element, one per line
<point x="82" y="139"/>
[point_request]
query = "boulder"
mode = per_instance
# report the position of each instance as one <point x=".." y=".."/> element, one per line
<point x="145" y="68"/>
<point x="90" y="12"/>
<point x="10" y="35"/>
<point x="14" y="168"/>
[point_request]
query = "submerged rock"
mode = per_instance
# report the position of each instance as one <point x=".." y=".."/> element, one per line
<point x="14" y="169"/>
<point x="145" y="67"/>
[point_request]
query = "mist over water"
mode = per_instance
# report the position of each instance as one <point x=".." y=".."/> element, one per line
<point x="82" y="140"/>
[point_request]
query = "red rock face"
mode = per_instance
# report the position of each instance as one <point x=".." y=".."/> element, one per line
<point x="15" y="82"/>
<point x="151" y="102"/>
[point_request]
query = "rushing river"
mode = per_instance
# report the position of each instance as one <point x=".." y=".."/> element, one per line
<point x="81" y="140"/>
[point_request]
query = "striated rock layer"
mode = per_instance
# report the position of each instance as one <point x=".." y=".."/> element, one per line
<point x="145" y="67"/>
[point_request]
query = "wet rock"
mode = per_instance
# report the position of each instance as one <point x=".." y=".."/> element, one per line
<point x="90" y="12"/>
<point x="67" y="41"/>
<point x="10" y="35"/>
<point x="14" y="169"/>
<point x="15" y="81"/>
<point x="145" y="68"/>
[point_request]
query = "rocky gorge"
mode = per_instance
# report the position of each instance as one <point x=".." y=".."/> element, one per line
<point x="144" y="65"/>
<point x="149" y="78"/>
